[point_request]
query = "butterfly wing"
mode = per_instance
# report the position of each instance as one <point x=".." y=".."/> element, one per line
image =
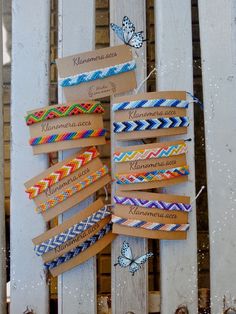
<point x="126" y="251"/>
<point x="128" y="29"/>
<point x="136" y="264"/>
<point x="137" y="40"/>
<point x="123" y="261"/>
<point x="118" y="31"/>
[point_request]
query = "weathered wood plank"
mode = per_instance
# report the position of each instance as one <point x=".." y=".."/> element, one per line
<point x="2" y="194"/>
<point x="218" y="49"/>
<point x="30" y="56"/>
<point x="129" y="294"/>
<point x="174" y="72"/>
<point x="77" y="287"/>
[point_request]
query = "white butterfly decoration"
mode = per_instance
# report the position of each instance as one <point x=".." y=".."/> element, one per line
<point x="127" y="33"/>
<point x="126" y="259"/>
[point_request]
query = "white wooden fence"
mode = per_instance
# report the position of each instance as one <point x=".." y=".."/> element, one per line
<point x="173" y="45"/>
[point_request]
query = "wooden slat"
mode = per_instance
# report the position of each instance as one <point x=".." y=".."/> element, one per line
<point x="173" y="32"/>
<point x="129" y="294"/>
<point x="218" y="50"/>
<point x="30" y="55"/>
<point x="2" y="194"/>
<point x="77" y="287"/>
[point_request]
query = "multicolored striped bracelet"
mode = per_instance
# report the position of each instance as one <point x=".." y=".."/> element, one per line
<point x="97" y="74"/>
<point x="129" y="201"/>
<point x="72" y="190"/>
<point x="54" y="138"/>
<point x="79" y="249"/>
<point x="56" y="176"/>
<point x="72" y="232"/>
<point x="143" y="154"/>
<point x="150" y="124"/>
<point x="63" y="111"/>
<point x="150" y="103"/>
<point x="156" y="175"/>
<point x="149" y="225"/>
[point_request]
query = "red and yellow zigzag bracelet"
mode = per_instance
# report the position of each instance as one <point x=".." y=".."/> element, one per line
<point x="73" y="165"/>
<point x="156" y="175"/>
<point x="72" y="190"/>
<point x="54" y="138"/>
<point x="63" y="111"/>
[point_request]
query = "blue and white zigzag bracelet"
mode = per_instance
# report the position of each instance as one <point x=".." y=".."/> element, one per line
<point x="150" y="124"/>
<point x="130" y="201"/>
<point x="72" y="232"/>
<point x="79" y="249"/>
<point x="150" y="103"/>
<point x="97" y="74"/>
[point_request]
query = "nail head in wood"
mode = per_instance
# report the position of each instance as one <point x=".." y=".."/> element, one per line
<point x="182" y="309"/>
<point x="230" y="310"/>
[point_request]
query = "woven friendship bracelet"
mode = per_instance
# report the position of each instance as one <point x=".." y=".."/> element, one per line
<point x="152" y="204"/>
<point x="150" y="103"/>
<point x="54" y="177"/>
<point x="156" y="175"/>
<point x="150" y="124"/>
<point x="63" y="111"/>
<point x="143" y="154"/>
<point x="97" y="74"/>
<point x="149" y="225"/>
<point x="79" y="249"/>
<point x="66" y="136"/>
<point x="72" y="190"/>
<point x="72" y="232"/>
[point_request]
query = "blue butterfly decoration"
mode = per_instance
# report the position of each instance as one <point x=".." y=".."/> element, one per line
<point x="126" y="259"/>
<point x="127" y="33"/>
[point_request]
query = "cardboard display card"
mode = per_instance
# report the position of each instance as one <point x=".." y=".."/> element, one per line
<point x="84" y="256"/>
<point x="66" y="125"/>
<point x="97" y="60"/>
<point x="150" y="164"/>
<point x="67" y="182"/>
<point x="72" y="242"/>
<point x="149" y="113"/>
<point x="152" y="215"/>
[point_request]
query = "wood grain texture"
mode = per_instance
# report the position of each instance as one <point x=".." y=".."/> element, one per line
<point x="218" y="49"/>
<point x="2" y="194"/>
<point x="30" y="56"/>
<point x="77" y="288"/>
<point x="129" y="293"/>
<point x="173" y="32"/>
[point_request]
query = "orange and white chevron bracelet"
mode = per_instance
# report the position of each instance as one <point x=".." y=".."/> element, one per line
<point x="72" y="190"/>
<point x="156" y="175"/>
<point x="73" y="165"/>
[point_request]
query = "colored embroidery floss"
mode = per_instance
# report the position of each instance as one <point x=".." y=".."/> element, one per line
<point x="66" y="136"/>
<point x="152" y="204"/>
<point x="150" y="103"/>
<point x="143" y="154"/>
<point x="149" y="225"/>
<point x="97" y="74"/>
<point x="72" y="190"/>
<point x="72" y="232"/>
<point x="63" y="111"/>
<point x="54" y="177"/>
<point x="156" y="175"/>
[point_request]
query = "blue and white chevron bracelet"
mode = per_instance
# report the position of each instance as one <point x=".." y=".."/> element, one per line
<point x="79" y="249"/>
<point x="130" y="201"/>
<point x="72" y="232"/>
<point x="150" y="124"/>
<point x="97" y="74"/>
<point x="149" y="225"/>
<point x="150" y="103"/>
